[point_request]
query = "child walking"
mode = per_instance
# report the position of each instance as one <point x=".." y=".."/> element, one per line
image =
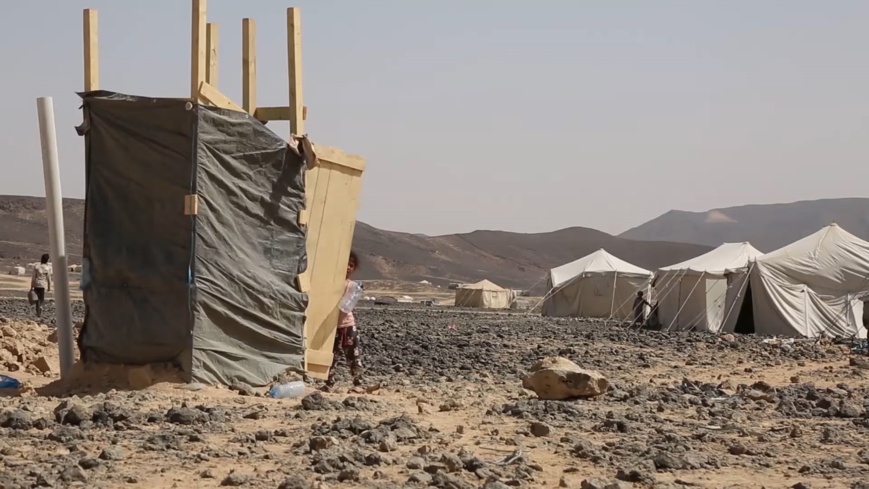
<point x="347" y="335"/>
<point x="40" y="282"/>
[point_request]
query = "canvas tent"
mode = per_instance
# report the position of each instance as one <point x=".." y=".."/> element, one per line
<point x="192" y="244"/>
<point x="693" y="294"/>
<point x="812" y="287"/>
<point x="598" y="285"/>
<point x="484" y="294"/>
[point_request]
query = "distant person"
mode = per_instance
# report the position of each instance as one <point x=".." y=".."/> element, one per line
<point x="347" y="335"/>
<point x="640" y="304"/>
<point x="41" y="282"/>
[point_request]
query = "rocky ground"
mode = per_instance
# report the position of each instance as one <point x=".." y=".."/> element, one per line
<point x="683" y="410"/>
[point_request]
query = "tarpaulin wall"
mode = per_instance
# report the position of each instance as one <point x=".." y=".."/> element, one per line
<point x="214" y="292"/>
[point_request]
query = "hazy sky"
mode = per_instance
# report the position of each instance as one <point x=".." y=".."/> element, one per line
<point x="515" y="115"/>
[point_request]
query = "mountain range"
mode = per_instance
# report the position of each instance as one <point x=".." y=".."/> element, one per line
<point x="767" y="227"/>
<point x="509" y="259"/>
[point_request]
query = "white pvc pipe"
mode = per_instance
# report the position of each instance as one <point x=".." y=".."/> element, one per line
<point x="54" y="205"/>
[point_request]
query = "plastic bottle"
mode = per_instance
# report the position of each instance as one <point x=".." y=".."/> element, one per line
<point x="288" y="390"/>
<point x="350" y="298"/>
<point x="9" y="382"/>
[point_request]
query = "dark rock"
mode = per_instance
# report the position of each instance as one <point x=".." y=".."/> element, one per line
<point x="315" y="401"/>
<point x="446" y="481"/>
<point x="600" y="484"/>
<point x="452" y="463"/>
<point x="185" y="416"/>
<point x="420" y="478"/>
<point x="112" y="453"/>
<point x="295" y="482"/>
<point x="88" y="463"/>
<point x="373" y="459"/>
<point x="635" y="474"/>
<point x="71" y="414"/>
<point x="16" y="420"/>
<point x="668" y="461"/>
<point x="350" y="474"/>
<point x="849" y="409"/>
<point x="73" y="473"/>
<point x="540" y="429"/>
<point x="316" y="443"/>
<point x="415" y="463"/>
<point x="66" y="434"/>
<point x="243" y="389"/>
<point x="235" y="480"/>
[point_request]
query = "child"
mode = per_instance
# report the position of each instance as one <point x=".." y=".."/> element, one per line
<point x="347" y="336"/>
<point x="41" y="282"/>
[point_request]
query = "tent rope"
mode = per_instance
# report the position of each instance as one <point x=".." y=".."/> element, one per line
<point x="845" y="311"/>
<point x="676" y="276"/>
<point x="685" y="302"/>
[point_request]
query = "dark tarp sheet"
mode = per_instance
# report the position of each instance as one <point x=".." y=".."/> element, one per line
<point x="213" y="292"/>
<point x="137" y="240"/>
<point x="249" y="250"/>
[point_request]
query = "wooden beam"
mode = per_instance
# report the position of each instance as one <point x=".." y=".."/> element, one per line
<point x="212" y="35"/>
<point x="340" y="158"/>
<point x="191" y="205"/>
<point x="208" y="93"/>
<point x="248" y="60"/>
<point x="294" y="51"/>
<point x="91" y="51"/>
<point x="272" y="113"/>
<point x="199" y="53"/>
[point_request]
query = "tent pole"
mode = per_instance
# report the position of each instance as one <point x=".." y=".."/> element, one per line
<point x="613" y="301"/>
<point x="679" y="312"/>
<point x="54" y="205"/>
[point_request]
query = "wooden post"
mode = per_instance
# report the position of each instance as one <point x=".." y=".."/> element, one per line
<point x="248" y="28"/>
<point x="294" y="51"/>
<point x="91" y="51"/>
<point x="199" y="54"/>
<point x="211" y="43"/>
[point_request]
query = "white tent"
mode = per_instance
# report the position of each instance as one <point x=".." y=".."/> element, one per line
<point x="17" y="271"/>
<point x="484" y="294"/>
<point x="812" y="287"/>
<point x="693" y="294"/>
<point x="597" y="285"/>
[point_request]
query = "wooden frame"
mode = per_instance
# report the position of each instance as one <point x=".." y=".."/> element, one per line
<point x="212" y="34"/>
<point x="91" y="51"/>
<point x="248" y="65"/>
<point x="332" y="182"/>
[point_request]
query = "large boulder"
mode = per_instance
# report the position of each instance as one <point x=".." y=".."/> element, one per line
<point x="556" y="378"/>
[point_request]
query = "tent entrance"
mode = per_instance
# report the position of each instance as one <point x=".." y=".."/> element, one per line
<point x="745" y="319"/>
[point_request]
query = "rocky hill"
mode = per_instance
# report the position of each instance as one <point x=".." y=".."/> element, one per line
<point x="509" y="259"/>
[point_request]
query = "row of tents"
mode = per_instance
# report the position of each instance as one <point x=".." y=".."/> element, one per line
<point x="813" y="287"/>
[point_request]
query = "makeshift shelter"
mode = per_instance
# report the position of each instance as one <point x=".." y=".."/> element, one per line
<point x="813" y="287"/>
<point x="244" y="325"/>
<point x="598" y="285"/>
<point x="191" y="241"/>
<point x="693" y="294"/>
<point x="484" y="294"/>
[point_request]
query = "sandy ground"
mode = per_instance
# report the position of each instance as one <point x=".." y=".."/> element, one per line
<point x="683" y="410"/>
